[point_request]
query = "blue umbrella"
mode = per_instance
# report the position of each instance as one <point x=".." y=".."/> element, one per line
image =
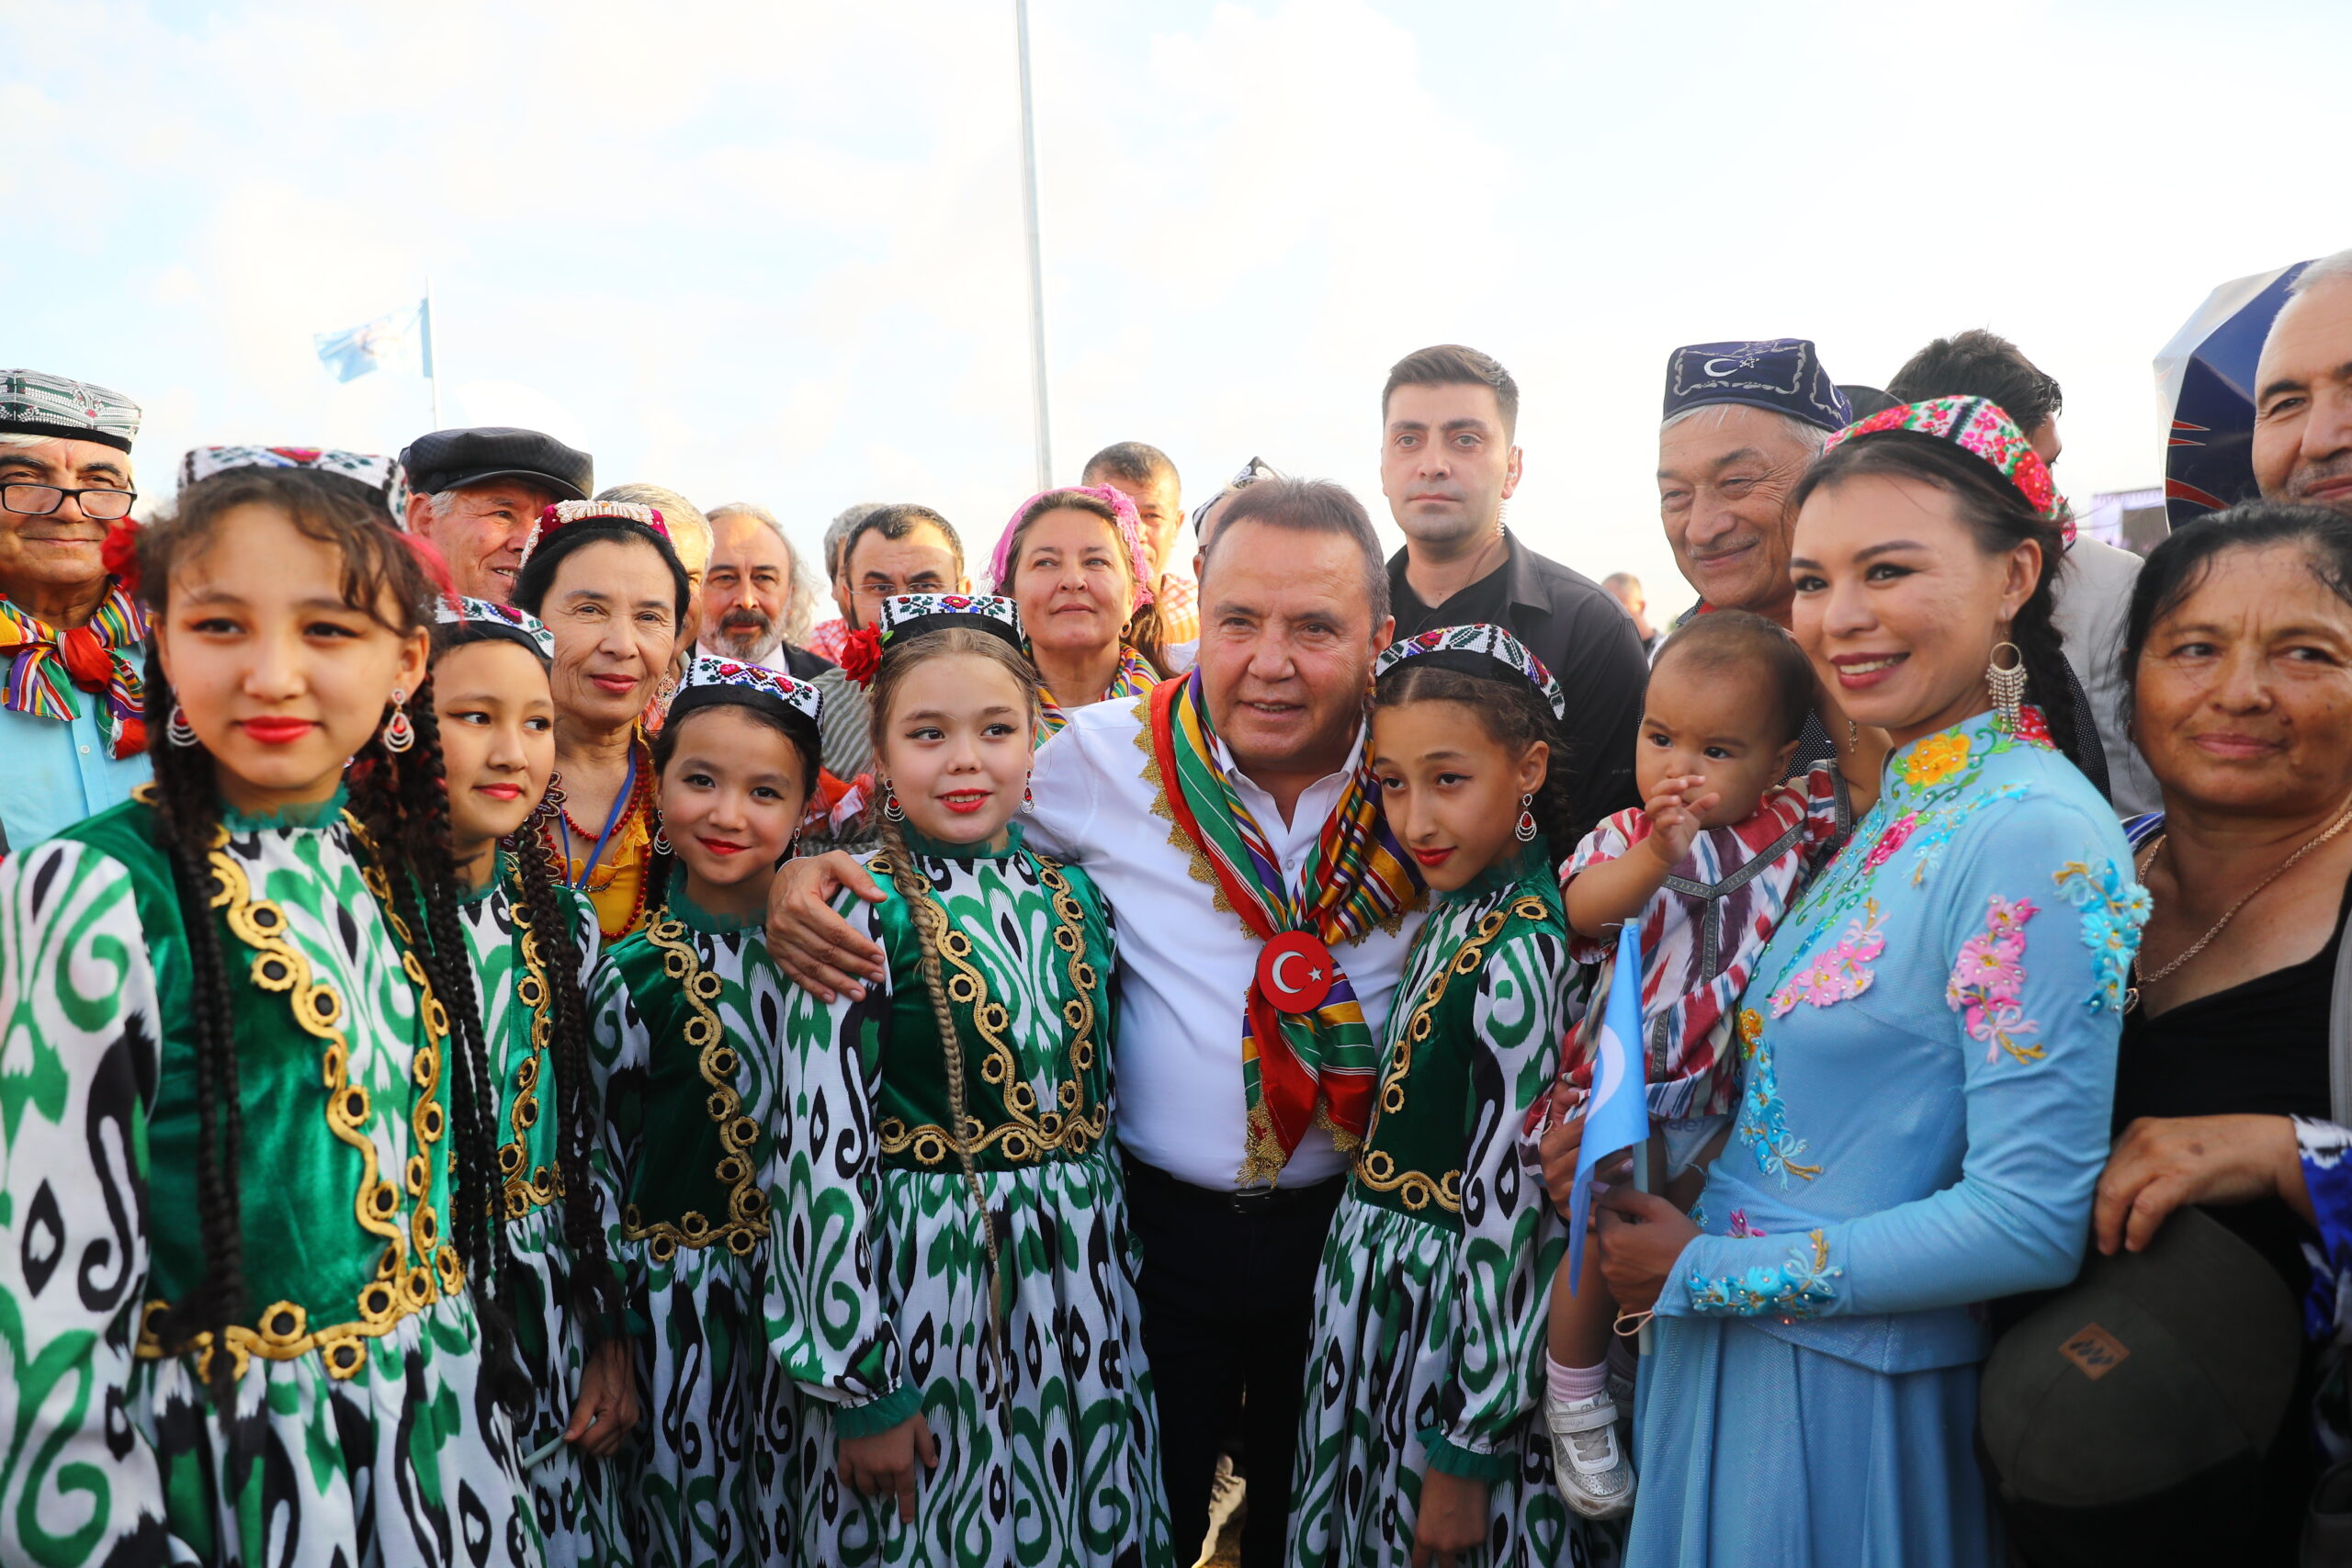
<point x="2205" y="381"/>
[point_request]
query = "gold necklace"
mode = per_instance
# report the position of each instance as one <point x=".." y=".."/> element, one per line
<point x="2139" y="978"/>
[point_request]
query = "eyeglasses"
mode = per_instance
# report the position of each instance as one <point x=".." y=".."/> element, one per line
<point x="39" y="501"/>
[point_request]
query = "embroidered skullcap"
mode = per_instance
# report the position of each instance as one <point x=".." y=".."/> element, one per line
<point x="481" y="620"/>
<point x="915" y="614"/>
<point x="564" y="513"/>
<point x="1251" y="472"/>
<point x="1782" y="373"/>
<point x="1981" y="428"/>
<point x="1481" y="649"/>
<point x="377" y="473"/>
<point x="33" y="403"/>
<point x="709" y="682"/>
<point x="1122" y="518"/>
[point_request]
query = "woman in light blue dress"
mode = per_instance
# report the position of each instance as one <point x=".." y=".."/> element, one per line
<point x="1928" y="1044"/>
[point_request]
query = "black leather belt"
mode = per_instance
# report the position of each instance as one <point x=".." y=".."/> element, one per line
<point x="1243" y="1200"/>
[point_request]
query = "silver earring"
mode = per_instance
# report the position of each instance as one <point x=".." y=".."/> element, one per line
<point x="890" y="804"/>
<point x="2008" y="686"/>
<point x="179" y="731"/>
<point x="1526" y="829"/>
<point x="399" y="733"/>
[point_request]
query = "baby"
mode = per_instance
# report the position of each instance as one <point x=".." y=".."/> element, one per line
<point x="1706" y="866"/>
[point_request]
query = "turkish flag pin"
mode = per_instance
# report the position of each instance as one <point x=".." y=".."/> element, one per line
<point x="1296" y="972"/>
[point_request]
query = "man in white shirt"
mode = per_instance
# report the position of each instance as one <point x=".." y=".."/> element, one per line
<point x="1294" y="609"/>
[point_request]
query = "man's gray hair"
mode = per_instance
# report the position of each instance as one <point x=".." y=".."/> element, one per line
<point x="21" y="438"/>
<point x="1811" y="437"/>
<point x="800" y="598"/>
<point x="1309" y="506"/>
<point x="676" y="511"/>
<point x="2324" y="270"/>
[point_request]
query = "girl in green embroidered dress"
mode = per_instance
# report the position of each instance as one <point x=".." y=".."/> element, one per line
<point x="530" y="945"/>
<point x="688" y="1013"/>
<point x="260" y="1091"/>
<point x="1420" y="1439"/>
<point x="953" y="1281"/>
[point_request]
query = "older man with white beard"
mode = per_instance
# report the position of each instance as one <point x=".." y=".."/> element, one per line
<point x="753" y="596"/>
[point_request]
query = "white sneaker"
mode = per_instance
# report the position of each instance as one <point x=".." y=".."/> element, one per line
<point x="1588" y="1459"/>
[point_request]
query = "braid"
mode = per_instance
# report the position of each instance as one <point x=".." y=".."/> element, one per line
<point x="594" y="1291"/>
<point x="931" y="929"/>
<point x="406" y="797"/>
<point x="189" y="809"/>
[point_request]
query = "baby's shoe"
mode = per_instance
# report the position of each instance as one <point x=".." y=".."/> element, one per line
<point x="1588" y="1458"/>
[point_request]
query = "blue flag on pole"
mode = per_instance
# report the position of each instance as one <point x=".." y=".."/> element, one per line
<point x="402" y="339"/>
<point x="1617" y="1111"/>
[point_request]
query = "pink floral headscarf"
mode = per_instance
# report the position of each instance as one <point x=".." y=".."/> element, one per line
<point x="1130" y="528"/>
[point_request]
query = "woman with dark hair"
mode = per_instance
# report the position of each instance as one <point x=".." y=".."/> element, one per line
<point x="2237" y="657"/>
<point x="606" y="582"/>
<point x="1929" y="1045"/>
<point x="250" y="1187"/>
<point x="1076" y="562"/>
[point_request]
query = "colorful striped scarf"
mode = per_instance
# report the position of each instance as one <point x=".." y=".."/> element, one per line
<point x="46" y="667"/>
<point x="1297" y="1069"/>
<point x="1135" y="679"/>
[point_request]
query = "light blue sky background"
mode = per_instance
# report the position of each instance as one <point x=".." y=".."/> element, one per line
<point x="773" y="251"/>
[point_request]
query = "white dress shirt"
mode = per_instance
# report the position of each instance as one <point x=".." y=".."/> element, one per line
<point x="1185" y="965"/>
<point x="2093" y="600"/>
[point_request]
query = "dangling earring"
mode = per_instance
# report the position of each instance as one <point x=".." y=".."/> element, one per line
<point x="2008" y="686"/>
<point x="890" y="804"/>
<point x="1028" y="796"/>
<point x="179" y="731"/>
<point x="399" y="733"/>
<point x="660" y="841"/>
<point x="1526" y="829"/>
<point x="1853" y="736"/>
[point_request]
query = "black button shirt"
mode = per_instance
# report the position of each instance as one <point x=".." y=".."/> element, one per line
<point x="1585" y="641"/>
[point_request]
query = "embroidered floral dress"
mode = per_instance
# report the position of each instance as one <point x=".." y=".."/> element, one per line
<point x="687" y="1014"/>
<point x="1430" y="1307"/>
<point x="1929" y="1042"/>
<point x="880" y="1303"/>
<point x="572" y="1495"/>
<point x="364" y="1435"/>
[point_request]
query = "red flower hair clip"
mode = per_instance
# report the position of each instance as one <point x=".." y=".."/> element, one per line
<point x="861" y="652"/>
<point x="119" y="553"/>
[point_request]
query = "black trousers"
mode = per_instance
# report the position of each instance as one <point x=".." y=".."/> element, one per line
<point x="1228" y="1292"/>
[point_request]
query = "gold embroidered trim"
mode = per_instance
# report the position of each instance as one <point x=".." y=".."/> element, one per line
<point x="522" y="1193"/>
<point x="1197" y="861"/>
<point x="1027" y="1133"/>
<point x="400" y="1287"/>
<point x="746" y="1223"/>
<point x="1375" y="1168"/>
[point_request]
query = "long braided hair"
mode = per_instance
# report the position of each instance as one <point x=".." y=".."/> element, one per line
<point x="401" y="803"/>
<point x="578" y="1117"/>
<point x="899" y="659"/>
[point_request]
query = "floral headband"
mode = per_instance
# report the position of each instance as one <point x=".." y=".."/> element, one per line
<point x="1983" y="429"/>
<point x="379" y="474"/>
<point x="1123" y="518"/>
<point x="712" y="680"/>
<point x="1479" y="649"/>
<point x="498" y="620"/>
<point x="564" y="513"/>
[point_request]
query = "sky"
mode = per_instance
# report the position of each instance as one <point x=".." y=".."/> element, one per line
<point x="763" y="249"/>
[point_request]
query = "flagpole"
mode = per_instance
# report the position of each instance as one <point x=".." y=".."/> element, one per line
<point x="432" y="367"/>
<point x="1036" y="264"/>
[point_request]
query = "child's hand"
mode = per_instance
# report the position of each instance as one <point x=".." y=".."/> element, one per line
<point x="606" y="1409"/>
<point x="1558" y="1149"/>
<point x="1674" y="809"/>
<point x="1452" y="1518"/>
<point x="886" y="1461"/>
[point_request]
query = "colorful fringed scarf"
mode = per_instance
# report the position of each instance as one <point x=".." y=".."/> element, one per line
<point x="1135" y="679"/>
<point x="1297" y="1069"/>
<point x="45" y="667"/>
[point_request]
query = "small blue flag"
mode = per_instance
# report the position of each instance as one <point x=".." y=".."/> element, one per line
<point x="1617" y="1110"/>
<point x="402" y="339"/>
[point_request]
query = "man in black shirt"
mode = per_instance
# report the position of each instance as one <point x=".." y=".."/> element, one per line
<point x="1448" y="463"/>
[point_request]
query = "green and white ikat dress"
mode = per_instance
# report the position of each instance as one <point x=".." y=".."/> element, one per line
<point x="574" y="1498"/>
<point x="688" y="1011"/>
<point x="1431" y="1304"/>
<point x="364" y="1437"/>
<point x="880" y="1304"/>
